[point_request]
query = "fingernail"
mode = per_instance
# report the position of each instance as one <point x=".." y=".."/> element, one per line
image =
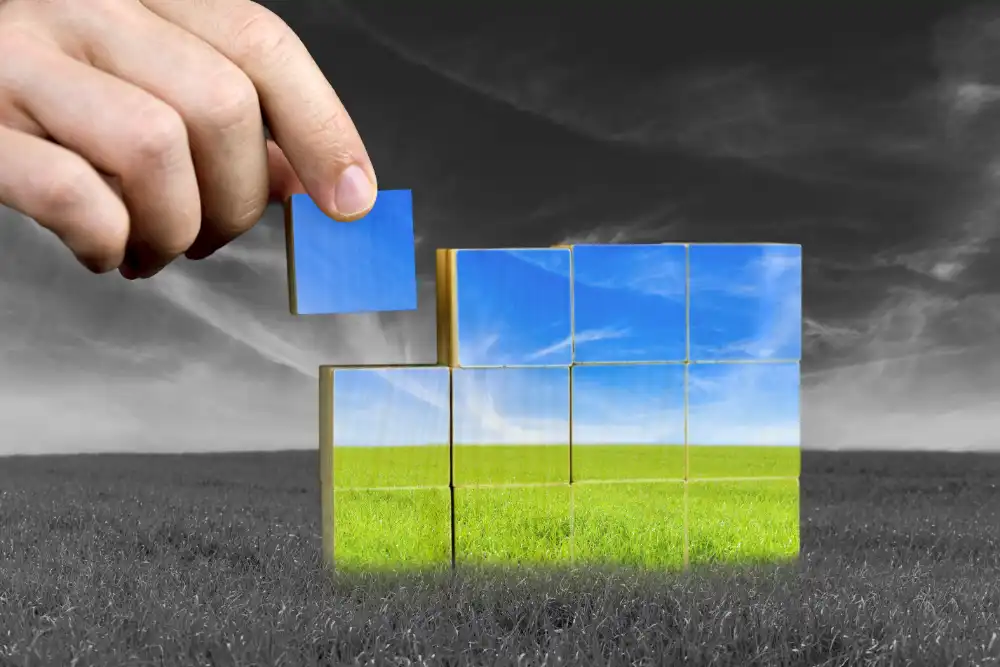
<point x="354" y="192"/>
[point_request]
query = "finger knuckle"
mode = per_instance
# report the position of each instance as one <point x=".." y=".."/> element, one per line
<point x="337" y="127"/>
<point x="261" y="31"/>
<point x="333" y="132"/>
<point x="65" y="187"/>
<point x="243" y="216"/>
<point x="159" y="139"/>
<point x="231" y="101"/>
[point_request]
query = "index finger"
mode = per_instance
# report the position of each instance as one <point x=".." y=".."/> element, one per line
<point x="306" y="117"/>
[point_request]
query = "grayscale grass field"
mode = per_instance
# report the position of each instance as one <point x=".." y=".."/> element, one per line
<point x="213" y="560"/>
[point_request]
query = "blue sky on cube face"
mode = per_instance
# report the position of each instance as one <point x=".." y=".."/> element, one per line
<point x="363" y="266"/>
<point x="745" y="302"/>
<point x="629" y="302"/>
<point x="744" y="404"/>
<point x="390" y="407"/>
<point x="514" y="306"/>
<point x="628" y="405"/>
<point x="511" y="406"/>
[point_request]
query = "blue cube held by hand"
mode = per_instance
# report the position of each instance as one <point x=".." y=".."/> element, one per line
<point x="351" y="267"/>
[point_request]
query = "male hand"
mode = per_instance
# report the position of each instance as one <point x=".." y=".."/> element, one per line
<point x="133" y="130"/>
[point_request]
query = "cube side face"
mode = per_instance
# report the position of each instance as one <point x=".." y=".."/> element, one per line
<point x="512" y="307"/>
<point x="629" y="303"/>
<point x="392" y="427"/>
<point x="445" y="293"/>
<point x="744" y="420"/>
<point x="326" y="462"/>
<point x="293" y="305"/>
<point x="743" y="522"/>
<point x="511" y="426"/>
<point x="745" y="302"/>
<point x="364" y="266"/>
<point x="628" y="422"/>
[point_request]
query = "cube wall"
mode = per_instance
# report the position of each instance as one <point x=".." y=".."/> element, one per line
<point x="607" y="404"/>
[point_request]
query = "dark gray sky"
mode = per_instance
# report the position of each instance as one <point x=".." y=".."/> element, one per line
<point x="869" y="135"/>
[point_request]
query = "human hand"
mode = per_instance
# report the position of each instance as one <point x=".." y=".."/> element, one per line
<point x="132" y="129"/>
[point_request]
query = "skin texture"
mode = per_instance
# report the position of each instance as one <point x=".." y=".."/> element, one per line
<point x="132" y="129"/>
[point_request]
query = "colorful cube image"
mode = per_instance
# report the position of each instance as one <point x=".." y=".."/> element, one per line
<point x="351" y="267"/>
<point x="600" y="405"/>
<point x="628" y="422"/>
<point x="745" y="521"/>
<point x="637" y="524"/>
<point x="506" y="307"/>
<point x="629" y="303"/>
<point x="386" y="466"/>
<point x="389" y="529"/>
<point x="391" y="427"/>
<point x="513" y="525"/>
<point x="511" y="426"/>
<point x="743" y="420"/>
<point x="745" y="302"/>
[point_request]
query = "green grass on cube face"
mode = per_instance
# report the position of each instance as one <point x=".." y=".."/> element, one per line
<point x="404" y="529"/>
<point x="744" y="420"/>
<point x="628" y="420"/>
<point x="742" y="522"/>
<point x="631" y="524"/>
<point x="627" y="462"/>
<point x="511" y="464"/>
<point x="721" y="462"/>
<point x="530" y="444"/>
<point x="520" y="525"/>
<point x="380" y="466"/>
<point x="390" y="426"/>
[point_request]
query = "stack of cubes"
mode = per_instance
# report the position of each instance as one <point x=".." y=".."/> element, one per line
<point x="592" y="404"/>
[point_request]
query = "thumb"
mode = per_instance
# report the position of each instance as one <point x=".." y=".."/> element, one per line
<point x="284" y="182"/>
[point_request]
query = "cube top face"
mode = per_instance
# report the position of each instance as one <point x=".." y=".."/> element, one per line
<point x="512" y="307"/>
<point x="511" y="426"/>
<point x="629" y="303"/>
<point x="363" y="266"/>
<point x="743" y="420"/>
<point x="391" y="427"/>
<point x="628" y="422"/>
<point x="745" y="302"/>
